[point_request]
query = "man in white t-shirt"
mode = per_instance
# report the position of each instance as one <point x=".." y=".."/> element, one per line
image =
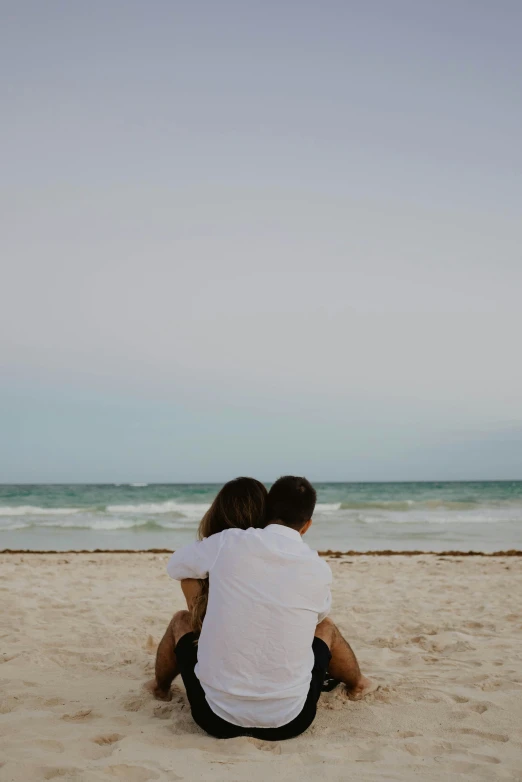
<point x="266" y="645"/>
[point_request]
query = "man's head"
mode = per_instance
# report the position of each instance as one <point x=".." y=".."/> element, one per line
<point x="291" y="501"/>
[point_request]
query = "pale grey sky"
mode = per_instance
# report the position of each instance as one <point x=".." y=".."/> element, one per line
<point x="260" y="237"/>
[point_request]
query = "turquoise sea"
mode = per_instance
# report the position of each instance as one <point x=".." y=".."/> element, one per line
<point x="480" y="516"/>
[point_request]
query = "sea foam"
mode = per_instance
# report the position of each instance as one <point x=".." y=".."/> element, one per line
<point x="170" y="506"/>
<point x="32" y="510"/>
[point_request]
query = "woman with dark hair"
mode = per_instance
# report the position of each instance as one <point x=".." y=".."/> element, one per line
<point x="240" y="504"/>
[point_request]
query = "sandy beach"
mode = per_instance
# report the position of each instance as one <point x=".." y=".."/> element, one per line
<point x="442" y="635"/>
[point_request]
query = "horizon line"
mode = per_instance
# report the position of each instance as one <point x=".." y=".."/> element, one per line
<point x="143" y="484"/>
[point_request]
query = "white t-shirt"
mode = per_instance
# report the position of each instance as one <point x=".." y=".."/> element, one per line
<point x="268" y="591"/>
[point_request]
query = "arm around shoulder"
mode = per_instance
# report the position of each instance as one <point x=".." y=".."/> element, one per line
<point x="196" y="559"/>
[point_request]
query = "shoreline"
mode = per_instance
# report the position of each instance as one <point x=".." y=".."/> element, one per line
<point x="328" y="553"/>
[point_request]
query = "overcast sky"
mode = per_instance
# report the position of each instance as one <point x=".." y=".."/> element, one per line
<point x="259" y="238"/>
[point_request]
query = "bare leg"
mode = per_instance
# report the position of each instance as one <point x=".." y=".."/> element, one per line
<point x="166" y="665"/>
<point x="344" y="665"/>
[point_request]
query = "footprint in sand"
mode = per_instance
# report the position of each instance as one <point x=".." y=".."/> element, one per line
<point x="490" y="685"/>
<point x="135" y="702"/>
<point x="485" y="758"/>
<point x="8" y="705"/>
<point x="79" y="716"/>
<point x="480" y="708"/>
<point x="483" y="735"/>
<point x="163" y="711"/>
<point x="5" y="658"/>
<point x="459" y="699"/>
<point x="266" y="746"/>
<point x="61" y="773"/>
<point x="107" y="738"/>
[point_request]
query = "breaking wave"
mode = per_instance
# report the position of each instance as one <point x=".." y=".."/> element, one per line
<point x="170" y="506"/>
<point x="32" y="510"/>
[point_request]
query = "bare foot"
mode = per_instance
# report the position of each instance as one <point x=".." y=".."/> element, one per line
<point x="160" y="695"/>
<point x="365" y="687"/>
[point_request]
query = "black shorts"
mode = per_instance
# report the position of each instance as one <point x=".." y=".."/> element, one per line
<point x="187" y="657"/>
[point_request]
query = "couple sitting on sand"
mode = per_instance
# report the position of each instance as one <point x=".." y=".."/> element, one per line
<point x="255" y="648"/>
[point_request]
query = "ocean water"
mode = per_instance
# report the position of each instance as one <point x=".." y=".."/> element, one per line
<point x="479" y="516"/>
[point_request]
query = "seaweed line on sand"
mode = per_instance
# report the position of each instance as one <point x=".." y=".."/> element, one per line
<point x="329" y="553"/>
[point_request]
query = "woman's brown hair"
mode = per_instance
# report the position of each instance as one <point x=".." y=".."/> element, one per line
<point x="240" y="504"/>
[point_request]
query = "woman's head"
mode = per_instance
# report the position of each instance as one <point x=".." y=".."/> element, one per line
<point x="241" y="503"/>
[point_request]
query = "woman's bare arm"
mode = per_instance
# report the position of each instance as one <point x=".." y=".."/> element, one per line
<point x="191" y="589"/>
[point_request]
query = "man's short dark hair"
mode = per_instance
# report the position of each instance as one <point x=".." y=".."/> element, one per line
<point x="292" y="501"/>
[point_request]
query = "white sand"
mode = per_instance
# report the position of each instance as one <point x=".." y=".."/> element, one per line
<point x="444" y="636"/>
